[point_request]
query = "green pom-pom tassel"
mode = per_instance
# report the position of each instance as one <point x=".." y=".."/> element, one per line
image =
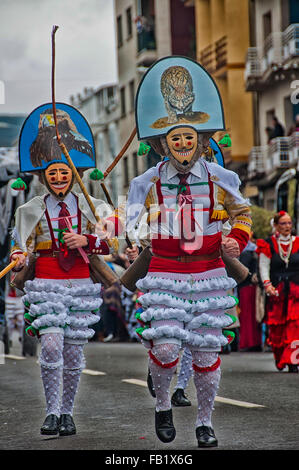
<point x="31" y="331"/>
<point x="137" y="315"/>
<point x="96" y="175"/>
<point x="143" y="149"/>
<point x="230" y="335"/>
<point x="225" y="141"/>
<point x="235" y="298"/>
<point x="140" y="330"/>
<point x="233" y="318"/>
<point x="28" y="318"/>
<point x="19" y="185"/>
<point x="143" y="323"/>
<point x="139" y="319"/>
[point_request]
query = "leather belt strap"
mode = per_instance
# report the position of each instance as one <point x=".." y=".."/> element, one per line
<point x="51" y="254"/>
<point x="191" y="258"/>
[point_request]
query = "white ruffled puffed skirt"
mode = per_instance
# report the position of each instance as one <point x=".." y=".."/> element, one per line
<point x="186" y="309"/>
<point x="68" y="306"/>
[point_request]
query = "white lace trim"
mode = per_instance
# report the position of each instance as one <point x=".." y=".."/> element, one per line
<point x="54" y="305"/>
<point x="50" y="320"/>
<point x="207" y="341"/>
<point x="44" y="302"/>
<point x="202" y="305"/>
<point x="210" y="320"/>
<point x="165" y="314"/>
<point x="83" y="321"/>
<point x="78" y="334"/>
<point x="86" y="305"/>
<point x="46" y="308"/>
<point x="51" y="365"/>
<point x="216" y="318"/>
<point x="185" y="287"/>
<point x="34" y="297"/>
<point x="201" y="340"/>
<point x="48" y="286"/>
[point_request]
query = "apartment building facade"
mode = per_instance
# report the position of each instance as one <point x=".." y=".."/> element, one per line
<point x="272" y="76"/>
<point x="147" y="30"/>
<point x="101" y="109"/>
<point x="222" y="38"/>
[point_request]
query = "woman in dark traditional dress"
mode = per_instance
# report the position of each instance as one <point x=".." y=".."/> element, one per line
<point x="279" y="270"/>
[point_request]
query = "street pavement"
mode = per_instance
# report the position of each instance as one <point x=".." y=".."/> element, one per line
<point x="256" y="406"/>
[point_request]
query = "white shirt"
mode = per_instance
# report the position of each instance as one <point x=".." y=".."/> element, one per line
<point x="200" y="200"/>
<point x="195" y="170"/>
<point x="54" y="208"/>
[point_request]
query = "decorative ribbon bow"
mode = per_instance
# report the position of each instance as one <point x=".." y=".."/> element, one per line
<point x="183" y="200"/>
<point x="69" y="226"/>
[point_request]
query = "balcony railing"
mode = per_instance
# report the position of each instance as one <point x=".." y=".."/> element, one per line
<point x="291" y="41"/>
<point x="282" y="152"/>
<point x="214" y="56"/>
<point x="257" y="161"/>
<point x="221" y="52"/>
<point x="253" y="63"/>
<point x="206" y="58"/>
<point x="280" y="155"/>
<point x="272" y="51"/>
<point x="277" y="49"/>
<point x="294" y="145"/>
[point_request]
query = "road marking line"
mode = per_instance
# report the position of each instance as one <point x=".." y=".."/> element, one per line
<point x="245" y="404"/>
<point x="228" y="401"/>
<point x="93" y="372"/>
<point x="136" y="382"/>
<point x="11" y="356"/>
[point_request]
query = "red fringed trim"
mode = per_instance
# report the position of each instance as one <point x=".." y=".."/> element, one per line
<point x="159" y="363"/>
<point x="207" y="369"/>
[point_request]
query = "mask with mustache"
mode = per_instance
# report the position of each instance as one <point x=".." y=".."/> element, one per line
<point x="59" y="179"/>
<point x="184" y="146"/>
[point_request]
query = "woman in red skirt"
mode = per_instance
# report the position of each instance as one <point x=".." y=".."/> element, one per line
<point x="279" y="270"/>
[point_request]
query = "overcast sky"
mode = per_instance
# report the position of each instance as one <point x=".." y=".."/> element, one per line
<point x="85" y="50"/>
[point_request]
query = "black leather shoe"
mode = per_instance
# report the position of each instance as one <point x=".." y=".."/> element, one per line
<point x="50" y="426"/>
<point x="66" y="425"/>
<point x="164" y="426"/>
<point x="179" y="398"/>
<point x="293" y="368"/>
<point x="206" y="437"/>
<point x="150" y="384"/>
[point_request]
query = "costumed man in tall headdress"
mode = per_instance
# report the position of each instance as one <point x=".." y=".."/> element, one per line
<point x="59" y="229"/>
<point x="187" y="200"/>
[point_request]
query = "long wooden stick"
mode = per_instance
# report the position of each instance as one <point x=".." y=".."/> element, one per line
<point x="79" y="181"/>
<point x="108" y="197"/>
<point x="67" y="156"/>
<point x="121" y="153"/>
<point x="61" y="144"/>
<point x="9" y="267"/>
